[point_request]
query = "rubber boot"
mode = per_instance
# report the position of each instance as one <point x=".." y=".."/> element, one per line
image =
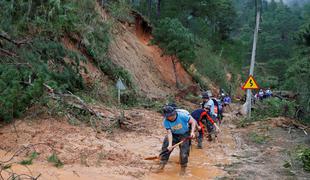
<point x="160" y="168"/>
<point x="183" y="171"/>
<point x="209" y="137"/>
<point x="199" y="145"/>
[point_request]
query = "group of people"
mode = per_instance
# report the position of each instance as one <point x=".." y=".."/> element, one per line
<point x="181" y="124"/>
<point x="262" y="94"/>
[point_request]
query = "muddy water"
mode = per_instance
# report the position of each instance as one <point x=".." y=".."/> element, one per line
<point x="203" y="163"/>
<point x="198" y="168"/>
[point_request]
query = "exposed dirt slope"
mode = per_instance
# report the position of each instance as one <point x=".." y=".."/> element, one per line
<point x="152" y="72"/>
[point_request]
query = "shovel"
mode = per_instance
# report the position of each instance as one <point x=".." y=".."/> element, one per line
<point x="167" y="151"/>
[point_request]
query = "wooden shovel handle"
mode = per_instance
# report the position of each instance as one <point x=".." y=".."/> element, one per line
<point x="187" y="138"/>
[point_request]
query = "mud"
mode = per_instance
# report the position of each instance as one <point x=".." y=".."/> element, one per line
<point x="87" y="154"/>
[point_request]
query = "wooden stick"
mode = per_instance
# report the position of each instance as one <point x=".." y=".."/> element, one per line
<point x="166" y="151"/>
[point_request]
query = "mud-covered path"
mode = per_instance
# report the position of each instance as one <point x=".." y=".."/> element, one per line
<point x="120" y="154"/>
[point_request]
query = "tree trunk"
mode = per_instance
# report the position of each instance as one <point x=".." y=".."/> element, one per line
<point x="158" y="8"/>
<point x="174" y="62"/>
<point x="149" y="7"/>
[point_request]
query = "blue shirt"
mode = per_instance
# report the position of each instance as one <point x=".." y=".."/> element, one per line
<point x="211" y="103"/>
<point x="183" y="111"/>
<point x="227" y="100"/>
<point x="180" y="125"/>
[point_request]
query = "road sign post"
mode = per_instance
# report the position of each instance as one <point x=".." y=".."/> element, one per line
<point x="249" y="94"/>
<point x="120" y="86"/>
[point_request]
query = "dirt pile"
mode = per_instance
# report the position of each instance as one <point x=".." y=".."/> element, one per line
<point x="80" y="146"/>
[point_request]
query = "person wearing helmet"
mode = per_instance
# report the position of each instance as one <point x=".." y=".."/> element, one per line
<point x="210" y="124"/>
<point x="207" y="100"/>
<point x="178" y="109"/>
<point x="201" y="116"/>
<point x="177" y="126"/>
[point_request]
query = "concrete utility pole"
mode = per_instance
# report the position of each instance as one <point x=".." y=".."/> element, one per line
<point x="249" y="93"/>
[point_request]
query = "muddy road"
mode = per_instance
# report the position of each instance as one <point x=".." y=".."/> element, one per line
<point x="119" y="154"/>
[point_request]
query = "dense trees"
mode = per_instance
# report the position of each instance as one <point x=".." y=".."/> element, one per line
<point x="213" y="35"/>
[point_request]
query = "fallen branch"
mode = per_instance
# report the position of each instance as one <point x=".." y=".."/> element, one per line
<point x="8" y="53"/>
<point x="7" y="163"/>
<point x="24" y="148"/>
<point x="6" y="37"/>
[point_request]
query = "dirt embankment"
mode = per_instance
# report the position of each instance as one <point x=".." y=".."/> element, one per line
<point x="152" y="71"/>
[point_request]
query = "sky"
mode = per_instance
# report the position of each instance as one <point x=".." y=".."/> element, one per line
<point x="289" y="2"/>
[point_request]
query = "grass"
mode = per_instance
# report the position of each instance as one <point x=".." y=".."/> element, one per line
<point x="55" y="160"/>
<point x="28" y="161"/>
<point x="257" y="138"/>
<point x="303" y="155"/>
<point x="244" y="122"/>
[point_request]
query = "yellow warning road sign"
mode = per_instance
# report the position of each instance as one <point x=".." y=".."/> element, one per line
<point x="250" y="83"/>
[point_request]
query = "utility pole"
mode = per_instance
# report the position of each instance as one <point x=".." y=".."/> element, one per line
<point x="249" y="93"/>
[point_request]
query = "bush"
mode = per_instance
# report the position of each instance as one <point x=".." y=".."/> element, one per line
<point x="114" y="72"/>
<point x="175" y="39"/>
<point x="44" y="59"/>
<point x="208" y="64"/>
<point x="272" y="107"/>
<point x="28" y="161"/>
<point x="121" y="10"/>
<point x="22" y="83"/>
<point x="55" y="160"/>
<point x="303" y="155"/>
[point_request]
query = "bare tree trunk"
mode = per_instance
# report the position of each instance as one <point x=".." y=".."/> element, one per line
<point x="174" y="62"/>
<point x="158" y="8"/>
<point x="149" y="7"/>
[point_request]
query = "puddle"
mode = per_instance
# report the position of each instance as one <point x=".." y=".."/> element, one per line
<point x="199" y="167"/>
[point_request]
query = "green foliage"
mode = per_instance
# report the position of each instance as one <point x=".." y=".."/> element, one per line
<point x="121" y="10"/>
<point x="272" y="107"/>
<point x="257" y="138"/>
<point x="208" y="18"/>
<point x="21" y="85"/>
<point x="298" y="73"/>
<point x="210" y="65"/>
<point x="55" y="160"/>
<point x="15" y="96"/>
<point x="44" y="59"/>
<point x="28" y="161"/>
<point x="114" y="72"/>
<point x="303" y="155"/>
<point x="175" y="39"/>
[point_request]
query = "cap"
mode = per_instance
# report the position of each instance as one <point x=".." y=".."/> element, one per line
<point x="169" y="111"/>
<point x="205" y="95"/>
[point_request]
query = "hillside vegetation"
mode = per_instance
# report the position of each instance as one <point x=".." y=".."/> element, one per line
<point x="59" y="43"/>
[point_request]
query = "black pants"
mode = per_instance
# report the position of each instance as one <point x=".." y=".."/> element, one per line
<point x="208" y="124"/>
<point x="184" y="148"/>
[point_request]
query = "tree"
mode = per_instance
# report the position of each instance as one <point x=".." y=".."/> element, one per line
<point x="176" y="40"/>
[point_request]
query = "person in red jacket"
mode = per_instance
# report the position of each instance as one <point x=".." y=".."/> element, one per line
<point x="203" y="120"/>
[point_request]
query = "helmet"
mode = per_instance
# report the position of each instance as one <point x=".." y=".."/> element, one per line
<point x="169" y="111"/>
<point x="173" y="105"/>
<point x="205" y="95"/>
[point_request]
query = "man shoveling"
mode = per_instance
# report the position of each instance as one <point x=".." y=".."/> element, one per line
<point x="177" y="126"/>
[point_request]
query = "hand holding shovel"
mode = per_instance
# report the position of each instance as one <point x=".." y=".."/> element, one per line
<point x="167" y="150"/>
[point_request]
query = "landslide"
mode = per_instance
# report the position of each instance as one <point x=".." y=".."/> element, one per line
<point x="152" y="71"/>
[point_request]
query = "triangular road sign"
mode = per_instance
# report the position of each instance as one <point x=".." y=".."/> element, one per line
<point x="120" y="85"/>
<point x="250" y="83"/>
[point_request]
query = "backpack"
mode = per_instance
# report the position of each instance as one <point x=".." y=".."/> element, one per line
<point x="216" y="106"/>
